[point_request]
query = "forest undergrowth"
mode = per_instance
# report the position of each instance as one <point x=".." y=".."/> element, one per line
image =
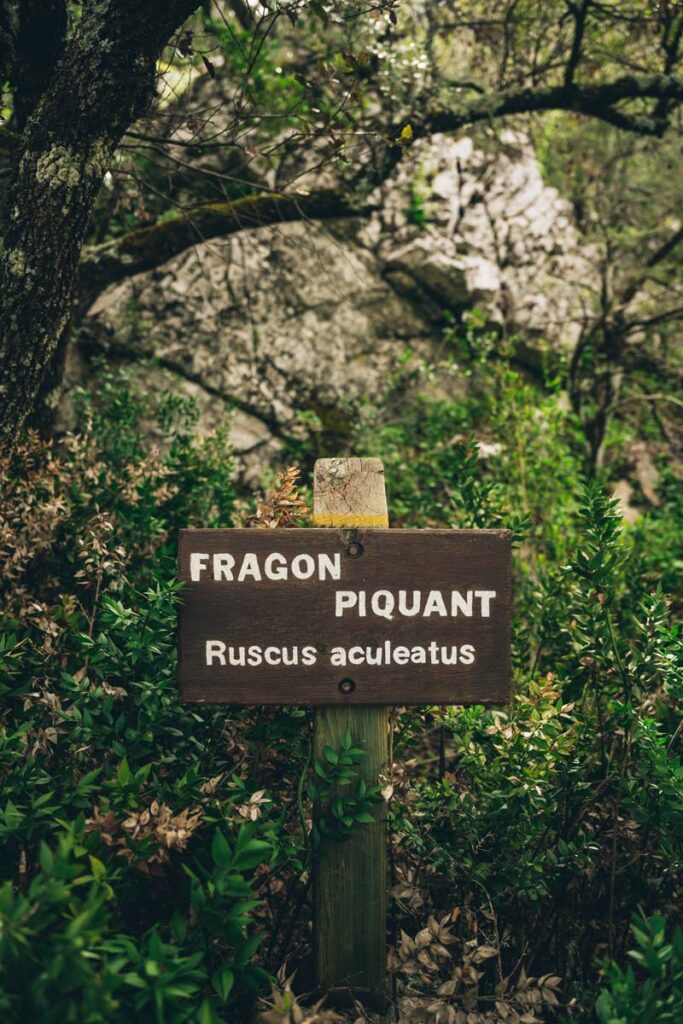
<point x="157" y="858"/>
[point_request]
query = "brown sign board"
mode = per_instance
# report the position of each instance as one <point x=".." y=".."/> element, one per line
<point x="324" y="616"/>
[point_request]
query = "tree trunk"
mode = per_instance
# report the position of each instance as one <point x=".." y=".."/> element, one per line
<point x="34" y="34"/>
<point x="102" y="84"/>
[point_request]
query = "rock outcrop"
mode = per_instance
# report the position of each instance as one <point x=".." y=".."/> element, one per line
<point x="305" y="317"/>
<point x="495" y="236"/>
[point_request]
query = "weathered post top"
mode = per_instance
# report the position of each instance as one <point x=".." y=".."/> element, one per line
<point x="350" y="493"/>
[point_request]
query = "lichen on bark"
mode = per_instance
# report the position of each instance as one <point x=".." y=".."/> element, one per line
<point x="58" y="168"/>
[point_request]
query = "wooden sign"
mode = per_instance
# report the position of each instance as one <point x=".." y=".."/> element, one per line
<point x="324" y="616"/>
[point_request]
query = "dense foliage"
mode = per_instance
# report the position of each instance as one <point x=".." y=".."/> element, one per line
<point x="157" y="858"/>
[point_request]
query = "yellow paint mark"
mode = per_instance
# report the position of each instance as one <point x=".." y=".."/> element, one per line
<point x="348" y="521"/>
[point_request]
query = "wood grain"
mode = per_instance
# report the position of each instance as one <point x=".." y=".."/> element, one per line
<point x="349" y="493"/>
<point x="350" y="879"/>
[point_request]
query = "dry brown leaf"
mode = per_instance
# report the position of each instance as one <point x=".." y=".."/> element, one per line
<point x="484" y="953"/>
<point x="284" y="506"/>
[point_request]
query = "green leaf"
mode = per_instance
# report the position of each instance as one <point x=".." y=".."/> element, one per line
<point x="123" y="773"/>
<point x="222" y="982"/>
<point x="253" y="853"/>
<point x="178" y="927"/>
<point x="46" y="858"/>
<point x="220" y="850"/>
<point x="98" y="869"/>
<point x="206" y="1014"/>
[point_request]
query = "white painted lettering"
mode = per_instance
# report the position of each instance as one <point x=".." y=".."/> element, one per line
<point x="344" y="599"/>
<point x="273" y="573"/>
<point x="309" y="656"/>
<point x="215" y="649"/>
<point x="467" y="653"/>
<point x="401" y="655"/>
<point x="197" y="565"/>
<point x="383" y="603"/>
<point x="329" y="567"/>
<point x="459" y="604"/>
<point x="222" y="566"/>
<point x="485" y="596"/>
<point x="338" y="657"/>
<point x="254" y="657"/>
<point x="249" y="567"/>
<point x="414" y="608"/>
<point x="373" y="658"/>
<point x="434" y="604"/>
<point x="303" y="567"/>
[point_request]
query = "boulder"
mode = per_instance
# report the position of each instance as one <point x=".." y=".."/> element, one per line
<point x="300" y="321"/>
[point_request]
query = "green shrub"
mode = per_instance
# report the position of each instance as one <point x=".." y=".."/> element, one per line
<point x="131" y="839"/>
<point x="544" y="824"/>
<point x="156" y="859"/>
<point x="653" y="994"/>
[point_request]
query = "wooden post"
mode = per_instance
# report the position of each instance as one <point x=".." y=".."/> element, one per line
<point x="350" y="883"/>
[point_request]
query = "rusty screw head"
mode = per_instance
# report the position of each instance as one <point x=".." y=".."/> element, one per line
<point x="347" y="686"/>
<point x="354" y="550"/>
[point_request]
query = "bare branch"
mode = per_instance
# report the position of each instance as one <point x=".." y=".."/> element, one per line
<point x="665" y="249"/>
<point x="580" y="13"/>
<point x="591" y="100"/>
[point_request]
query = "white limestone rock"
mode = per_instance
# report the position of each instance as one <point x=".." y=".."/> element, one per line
<point x="305" y="317"/>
